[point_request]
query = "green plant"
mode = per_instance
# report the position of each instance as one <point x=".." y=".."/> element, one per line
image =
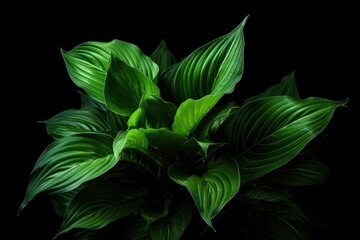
<point x="154" y="146"/>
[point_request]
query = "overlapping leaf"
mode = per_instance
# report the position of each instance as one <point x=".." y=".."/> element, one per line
<point x="97" y="205"/>
<point x="214" y="68"/>
<point x="163" y="57"/>
<point x="88" y="63"/>
<point x="68" y="162"/>
<point x="214" y="189"/>
<point x="267" y="133"/>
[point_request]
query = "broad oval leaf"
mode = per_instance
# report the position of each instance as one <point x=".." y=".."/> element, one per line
<point x="172" y="226"/>
<point x="68" y="162"/>
<point x="73" y="121"/>
<point x="190" y="113"/>
<point x="153" y="112"/>
<point x="267" y="133"/>
<point x="99" y="204"/>
<point x="87" y="64"/>
<point x="163" y="57"/>
<point x="132" y="83"/>
<point x="287" y="87"/>
<point x="214" y="68"/>
<point x="214" y="189"/>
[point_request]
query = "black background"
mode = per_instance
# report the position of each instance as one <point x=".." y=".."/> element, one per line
<point x="316" y="41"/>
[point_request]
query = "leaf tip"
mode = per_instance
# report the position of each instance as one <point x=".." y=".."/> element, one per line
<point x="22" y="206"/>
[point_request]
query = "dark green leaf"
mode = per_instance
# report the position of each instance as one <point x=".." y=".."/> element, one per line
<point x="132" y="83"/>
<point x="265" y="193"/>
<point x="99" y="204"/>
<point x="151" y="214"/>
<point x="89" y="102"/>
<point x="117" y="122"/>
<point x="132" y="139"/>
<point x="214" y="189"/>
<point x="287" y="86"/>
<point x="61" y="201"/>
<point x="212" y="69"/>
<point x="75" y="121"/>
<point x="68" y="162"/>
<point x="172" y="226"/>
<point x="267" y="133"/>
<point x="162" y="56"/>
<point x="138" y="230"/>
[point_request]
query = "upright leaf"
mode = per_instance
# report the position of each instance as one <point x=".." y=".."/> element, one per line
<point x="267" y="133"/>
<point x="211" y="191"/>
<point x="214" y="69"/>
<point x="75" y="121"/>
<point x="132" y="83"/>
<point x="287" y="87"/>
<point x="88" y="63"/>
<point x="190" y="113"/>
<point x="173" y="226"/>
<point x="163" y="57"/>
<point x="68" y="162"/>
<point x="97" y="205"/>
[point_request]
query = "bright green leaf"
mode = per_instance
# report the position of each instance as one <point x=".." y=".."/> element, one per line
<point x="99" y="204"/>
<point x="68" y="162"/>
<point x="267" y="133"/>
<point x="190" y="113"/>
<point x="132" y="139"/>
<point x="88" y="63"/>
<point x="132" y="83"/>
<point x="153" y="112"/>
<point x="214" y="189"/>
<point x="214" y="68"/>
<point x="172" y="226"/>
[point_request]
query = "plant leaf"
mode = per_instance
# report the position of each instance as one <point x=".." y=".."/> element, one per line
<point x="265" y="193"/>
<point x="173" y="226"/>
<point x="151" y="214"/>
<point x="303" y="172"/>
<point x="99" y="204"/>
<point x="212" y="69"/>
<point x="132" y="83"/>
<point x="138" y="230"/>
<point x="267" y="133"/>
<point x="132" y="139"/>
<point x="287" y="86"/>
<point x="89" y="102"/>
<point x="153" y="112"/>
<point x="61" y="201"/>
<point x="87" y="64"/>
<point x="68" y="162"/>
<point x="190" y="113"/>
<point x="163" y="57"/>
<point x="116" y="122"/>
<point x="211" y="191"/>
<point x="75" y="121"/>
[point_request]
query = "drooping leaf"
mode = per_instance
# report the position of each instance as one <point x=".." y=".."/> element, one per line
<point x="212" y="69"/>
<point x="75" y="121"/>
<point x="265" y="193"/>
<point x="87" y="64"/>
<point x="163" y="57"/>
<point x="267" y="133"/>
<point x="214" y="189"/>
<point x="153" y="112"/>
<point x="68" y="162"/>
<point x="99" y="204"/>
<point x="190" y="113"/>
<point x="132" y="83"/>
<point x="303" y="172"/>
<point x="287" y="87"/>
<point x="172" y="226"/>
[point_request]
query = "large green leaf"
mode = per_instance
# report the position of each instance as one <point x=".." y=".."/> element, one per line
<point x="117" y="122"/>
<point x="190" y="113"/>
<point x="214" y="68"/>
<point x="153" y="112"/>
<point x="88" y="63"/>
<point x="99" y="204"/>
<point x="68" y="162"/>
<point x="132" y="139"/>
<point x="211" y="191"/>
<point x="267" y="133"/>
<point x="132" y="84"/>
<point x="163" y="57"/>
<point x="172" y="226"/>
<point x="287" y="86"/>
<point x="75" y="121"/>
